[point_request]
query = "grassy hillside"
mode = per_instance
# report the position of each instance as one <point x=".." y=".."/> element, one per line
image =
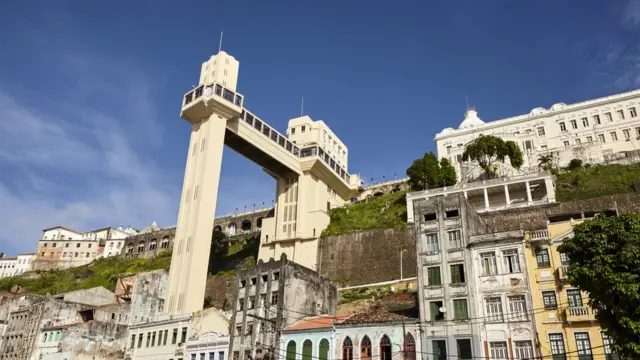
<point x="583" y="183"/>
<point x="102" y="272"/>
<point x="388" y="211"/>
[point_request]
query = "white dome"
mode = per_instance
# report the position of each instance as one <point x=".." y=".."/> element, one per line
<point x="471" y="119"/>
<point x="537" y="111"/>
<point x="558" y="106"/>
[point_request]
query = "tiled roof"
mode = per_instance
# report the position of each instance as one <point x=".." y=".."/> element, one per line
<point x="317" y="322"/>
<point x="376" y="316"/>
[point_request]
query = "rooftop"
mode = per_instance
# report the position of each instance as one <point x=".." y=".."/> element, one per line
<point x="317" y="322"/>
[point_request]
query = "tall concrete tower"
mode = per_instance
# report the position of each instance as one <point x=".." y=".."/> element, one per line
<point x="309" y="165"/>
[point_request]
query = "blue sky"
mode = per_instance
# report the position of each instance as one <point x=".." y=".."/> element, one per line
<point x="90" y="134"/>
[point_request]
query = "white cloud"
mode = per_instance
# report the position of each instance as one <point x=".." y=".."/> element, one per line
<point x="73" y="164"/>
<point x="631" y="15"/>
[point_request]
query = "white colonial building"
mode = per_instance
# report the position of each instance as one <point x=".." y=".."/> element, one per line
<point x="594" y="131"/>
<point x="23" y="263"/>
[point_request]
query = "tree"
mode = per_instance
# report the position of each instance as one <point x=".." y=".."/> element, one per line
<point x="488" y="150"/>
<point x="604" y="258"/>
<point x="575" y="164"/>
<point x="545" y="162"/>
<point x="219" y="245"/>
<point x="428" y="173"/>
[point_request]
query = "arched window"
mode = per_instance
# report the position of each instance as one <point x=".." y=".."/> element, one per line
<point x="246" y="226"/>
<point x="365" y="348"/>
<point x="347" y="349"/>
<point x="385" y="348"/>
<point x="291" y="350"/>
<point x="323" y="350"/>
<point x="231" y="229"/>
<point x="153" y="245"/>
<point x="165" y="243"/>
<point x="307" y="350"/>
<point x="409" y="347"/>
<point x="141" y="247"/>
<point x="130" y="249"/>
<point x="217" y="228"/>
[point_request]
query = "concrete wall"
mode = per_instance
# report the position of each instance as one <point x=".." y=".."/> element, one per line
<point x="220" y="289"/>
<point x="91" y="340"/>
<point x="367" y="257"/>
<point x="148" y="295"/>
<point x="149" y="244"/>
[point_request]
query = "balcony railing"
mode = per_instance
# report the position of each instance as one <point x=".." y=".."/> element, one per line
<point x="328" y="159"/>
<point x="579" y="313"/>
<point x="539" y="235"/>
<point x="210" y="89"/>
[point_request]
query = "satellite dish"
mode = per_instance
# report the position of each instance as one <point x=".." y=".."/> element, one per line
<point x="442" y="309"/>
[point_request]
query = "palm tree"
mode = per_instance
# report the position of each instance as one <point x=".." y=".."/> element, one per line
<point x="545" y="161"/>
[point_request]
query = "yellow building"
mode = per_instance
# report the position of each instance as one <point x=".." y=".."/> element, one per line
<point x="565" y="325"/>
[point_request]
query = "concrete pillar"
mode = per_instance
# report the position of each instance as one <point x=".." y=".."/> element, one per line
<point x="465" y="194"/>
<point x="486" y="198"/>
<point x="528" y="193"/>
<point x="506" y="194"/>
<point x="551" y="191"/>
<point x="410" y="211"/>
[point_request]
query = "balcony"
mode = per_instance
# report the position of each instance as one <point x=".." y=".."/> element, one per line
<point x="538" y="236"/>
<point x="579" y="314"/>
<point x="199" y="102"/>
<point x="562" y="273"/>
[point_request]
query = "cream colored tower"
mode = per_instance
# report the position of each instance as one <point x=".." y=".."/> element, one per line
<point x="309" y="165"/>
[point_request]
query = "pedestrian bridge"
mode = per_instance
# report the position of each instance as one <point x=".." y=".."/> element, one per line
<point x="245" y="133"/>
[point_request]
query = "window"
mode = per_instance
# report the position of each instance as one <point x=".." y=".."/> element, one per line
<point x="563" y="127"/>
<point x="574" y="124"/>
<point x="608" y="351"/>
<point x="498" y="350"/>
<point x="133" y="341"/>
<point x="291" y="350"/>
<point x="584" y="346"/>
<point x="549" y="299"/>
<point x="585" y="122"/>
<point x="614" y="136"/>
<point x="166" y="335"/>
<point x="183" y="339"/>
<point x="75" y="255"/>
<point x="620" y="114"/>
<point x="433" y="276"/>
<point x="293" y="131"/>
<point x="439" y="349"/>
<point x="542" y="258"/>
<point x="140" y="340"/>
<point x="457" y="274"/>
<point x="632" y="112"/>
<point x="460" y="311"/>
<point x="627" y="134"/>
<point x="148" y="339"/>
<point x="488" y="263"/>
<point x="601" y="138"/>
<point x="220" y="355"/>
<point x="566" y="143"/>
<point x="385" y="348"/>
<point x="323" y="350"/>
<point x="608" y="117"/>
<point x="511" y="261"/>
<point x="66" y="245"/>
<point x="431" y="243"/>
<point x="347" y="349"/>
<point x="464" y="348"/>
<point x="541" y="131"/>
<point x="435" y="308"/>
<point x="596" y="119"/>
<point x="455" y="239"/>
<point x="174" y="338"/>
<point x="578" y="141"/>
<point x="494" y="309"/>
<point x="524" y="350"/>
<point x="589" y="138"/>
<point x="45" y="245"/>
<point x="430" y="217"/>
<point x="153" y="338"/>
<point x="303" y="128"/>
<point x="365" y="348"/>
<point x="564" y="259"/>
<point x="574" y="297"/>
<point x="78" y="245"/>
<point x="517" y="308"/>
<point x="274" y="298"/>
<point x="240" y="304"/>
<point x="307" y="350"/>
<point x="252" y="302"/>
<point x="557" y="347"/>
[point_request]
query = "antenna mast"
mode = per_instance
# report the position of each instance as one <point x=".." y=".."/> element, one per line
<point x="220" y="46"/>
<point x="302" y="107"/>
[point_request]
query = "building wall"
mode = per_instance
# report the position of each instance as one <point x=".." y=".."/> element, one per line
<point x="93" y="340"/>
<point x="63" y="254"/>
<point x="148" y="295"/>
<point x="208" y="346"/>
<point x="343" y="258"/>
<point x="8" y="267"/>
<point x="143" y="338"/>
<point x="552" y="280"/>
<point x="23" y="263"/>
<point x="375" y="332"/>
<point x="313" y="335"/>
<point x="148" y="245"/>
<point x="243" y="222"/>
<point x="541" y="132"/>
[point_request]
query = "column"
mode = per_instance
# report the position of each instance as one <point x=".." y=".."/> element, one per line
<point x="465" y="194"/>
<point x="506" y="194"/>
<point x="528" y="193"/>
<point x="410" y="211"/>
<point x="551" y="191"/>
<point x="486" y="198"/>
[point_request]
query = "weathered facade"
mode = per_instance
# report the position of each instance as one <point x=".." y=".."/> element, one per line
<point x="149" y="244"/>
<point x="244" y="222"/>
<point x="271" y="296"/>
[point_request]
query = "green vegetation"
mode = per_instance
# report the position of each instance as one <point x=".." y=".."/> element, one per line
<point x="488" y="150"/>
<point x="384" y="212"/>
<point x="231" y="252"/>
<point x="374" y="293"/>
<point x="587" y="182"/>
<point x="428" y="173"/>
<point x="102" y="272"/>
<point x="604" y="256"/>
